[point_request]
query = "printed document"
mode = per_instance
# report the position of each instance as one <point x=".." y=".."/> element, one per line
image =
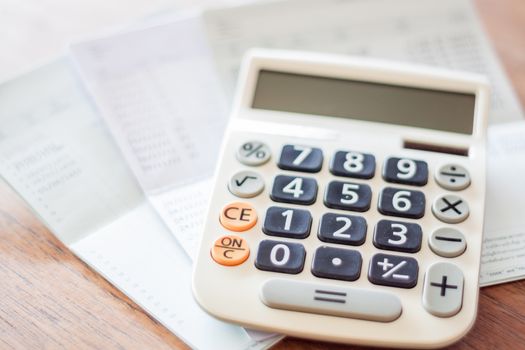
<point x="57" y="154"/>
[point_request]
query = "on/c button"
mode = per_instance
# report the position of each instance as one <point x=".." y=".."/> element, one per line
<point x="238" y="216"/>
<point x="230" y="250"/>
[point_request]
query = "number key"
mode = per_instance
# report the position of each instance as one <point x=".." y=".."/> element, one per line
<point x="343" y="229"/>
<point x="294" y="189"/>
<point x="286" y="222"/>
<point x="398" y="236"/>
<point x="401" y="202"/>
<point x="348" y="196"/>
<point x="301" y="158"/>
<point x="282" y="257"/>
<point x="353" y="164"/>
<point x="406" y="171"/>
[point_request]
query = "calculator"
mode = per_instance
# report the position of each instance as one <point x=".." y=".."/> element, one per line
<point x="348" y="201"/>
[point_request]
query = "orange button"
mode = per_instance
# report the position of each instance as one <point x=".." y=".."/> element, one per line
<point x="238" y="216"/>
<point x="230" y="250"/>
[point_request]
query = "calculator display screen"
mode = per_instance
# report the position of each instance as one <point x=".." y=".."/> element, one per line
<point x="376" y="102"/>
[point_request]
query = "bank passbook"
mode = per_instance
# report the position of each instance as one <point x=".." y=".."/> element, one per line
<point x="348" y="202"/>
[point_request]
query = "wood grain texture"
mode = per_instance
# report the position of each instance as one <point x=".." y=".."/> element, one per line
<point x="50" y="299"/>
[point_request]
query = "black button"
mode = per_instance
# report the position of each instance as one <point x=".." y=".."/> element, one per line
<point x="353" y="164"/>
<point x="393" y="270"/>
<point x="287" y="222"/>
<point x="294" y="189"/>
<point x="348" y="196"/>
<point x="337" y="263"/>
<point x="343" y="229"/>
<point x="279" y="256"/>
<point x="398" y="236"/>
<point x="406" y="171"/>
<point x="401" y="202"/>
<point x="301" y="158"/>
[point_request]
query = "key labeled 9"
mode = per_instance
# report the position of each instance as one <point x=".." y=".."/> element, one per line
<point x="405" y="171"/>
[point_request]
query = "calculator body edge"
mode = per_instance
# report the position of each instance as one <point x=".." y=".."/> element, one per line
<point x="233" y="293"/>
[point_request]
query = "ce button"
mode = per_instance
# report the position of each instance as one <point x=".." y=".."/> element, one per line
<point x="238" y="216"/>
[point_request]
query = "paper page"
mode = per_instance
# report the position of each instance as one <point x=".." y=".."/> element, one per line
<point x="165" y="108"/>
<point x="443" y="33"/>
<point x="503" y="257"/>
<point x="163" y="103"/>
<point x="137" y="253"/>
<point x="183" y="210"/>
<point x="58" y="156"/>
<point x="45" y="154"/>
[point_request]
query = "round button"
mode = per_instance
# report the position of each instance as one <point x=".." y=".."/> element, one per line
<point x="447" y="242"/>
<point x="452" y="177"/>
<point x="246" y="184"/>
<point x="253" y="153"/>
<point x="230" y="250"/>
<point x="238" y="216"/>
<point x="450" y="208"/>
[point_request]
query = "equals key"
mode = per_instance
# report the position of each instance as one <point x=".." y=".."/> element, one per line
<point x="453" y="177"/>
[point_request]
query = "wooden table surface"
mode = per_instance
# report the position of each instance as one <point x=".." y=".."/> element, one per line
<point x="51" y="299"/>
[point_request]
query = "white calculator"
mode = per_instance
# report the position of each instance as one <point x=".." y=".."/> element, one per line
<point x="348" y="202"/>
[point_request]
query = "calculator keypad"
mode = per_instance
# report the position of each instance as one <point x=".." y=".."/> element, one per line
<point x="238" y="216"/>
<point x="450" y="208"/>
<point x="398" y="236"/>
<point x="447" y="242"/>
<point x="280" y="256"/>
<point x="342" y="229"/>
<point x="393" y="270"/>
<point x="443" y="289"/>
<point x="337" y="263"/>
<point x="253" y="153"/>
<point x="353" y="164"/>
<point x="443" y="281"/>
<point x="401" y="202"/>
<point x="348" y="196"/>
<point x="453" y="177"/>
<point x="246" y="184"/>
<point x="230" y="250"/>
<point x="294" y="189"/>
<point x="301" y="158"/>
<point x="406" y="171"/>
<point x="287" y="222"/>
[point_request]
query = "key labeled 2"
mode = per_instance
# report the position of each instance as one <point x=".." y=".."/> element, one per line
<point x="342" y="229"/>
<point x="405" y="171"/>
<point x="398" y="236"/>
<point x="294" y="189"/>
<point x="279" y="256"/>
<point x="301" y="158"/>
<point x="401" y="202"/>
<point x="287" y="222"/>
<point x="348" y="196"/>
